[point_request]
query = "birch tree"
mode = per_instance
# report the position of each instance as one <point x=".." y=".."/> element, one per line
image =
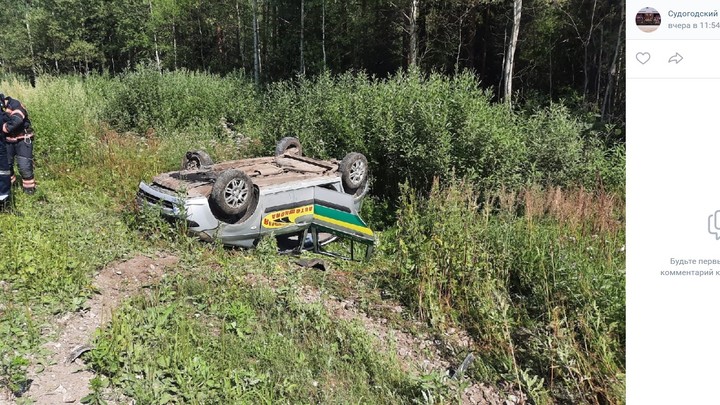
<point x="510" y="53"/>
<point x="413" y="31"/>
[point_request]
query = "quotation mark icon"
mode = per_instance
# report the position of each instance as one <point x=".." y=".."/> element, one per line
<point x="642" y="57"/>
<point x="713" y="222"/>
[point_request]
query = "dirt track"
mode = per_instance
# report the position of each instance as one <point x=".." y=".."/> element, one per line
<point x="66" y="379"/>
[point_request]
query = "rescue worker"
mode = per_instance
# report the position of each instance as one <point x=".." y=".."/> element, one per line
<point x="18" y="134"/>
<point x="4" y="170"/>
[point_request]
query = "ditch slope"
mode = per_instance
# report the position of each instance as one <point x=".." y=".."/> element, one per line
<point x="62" y="377"/>
<point x="65" y="378"/>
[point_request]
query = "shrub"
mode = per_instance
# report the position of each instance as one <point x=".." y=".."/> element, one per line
<point x="178" y="100"/>
<point x="413" y="128"/>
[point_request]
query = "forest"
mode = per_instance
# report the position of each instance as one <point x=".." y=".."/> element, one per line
<point x="551" y="49"/>
<point x="495" y="138"/>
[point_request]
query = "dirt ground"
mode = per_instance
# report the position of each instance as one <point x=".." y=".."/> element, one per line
<point x="66" y="378"/>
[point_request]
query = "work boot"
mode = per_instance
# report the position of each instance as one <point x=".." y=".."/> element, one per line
<point x="29" y="190"/>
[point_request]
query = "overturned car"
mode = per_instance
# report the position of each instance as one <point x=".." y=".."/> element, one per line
<point x="305" y="202"/>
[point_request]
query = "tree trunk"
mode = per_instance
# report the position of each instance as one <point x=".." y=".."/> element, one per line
<point x="32" y="51"/>
<point x="599" y="64"/>
<point x="157" y="53"/>
<point x="510" y="54"/>
<point x="459" y="47"/>
<point x="586" y="45"/>
<point x="155" y="41"/>
<point x="323" y="37"/>
<point x="256" y="45"/>
<point x="550" y="70"/>
<point x="613" y="71"/>
<point x="302" y="33"/>
<point x="239" y="36"/>
<point x="413" y="17"/>
<point x="174" y="28"/>
<point x="200" y="39"/>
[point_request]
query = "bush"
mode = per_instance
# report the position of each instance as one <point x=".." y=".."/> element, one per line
<point x="178" y="100"/>
<point x="413" y="128"/>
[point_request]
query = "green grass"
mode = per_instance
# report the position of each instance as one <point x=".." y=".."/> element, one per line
<point x="220" y="340"/>
<point x="536" y="277"/>
<point x="534" y="274"/>
<point x="54" y="241"/>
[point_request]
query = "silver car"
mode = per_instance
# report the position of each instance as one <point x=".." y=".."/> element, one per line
<point x="293" y="197"/>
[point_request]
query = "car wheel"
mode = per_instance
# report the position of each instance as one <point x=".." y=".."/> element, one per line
<point x="289" y="145"/>
<point x="354" y="170"/>
<point x="232" y="192"/>
<point x="195" y="159"/>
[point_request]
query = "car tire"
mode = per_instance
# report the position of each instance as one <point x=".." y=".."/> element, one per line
<point x="354" y="171"/>
<point x="232" y="194"/>
<point x="288" y="145"/>
<point x="195" y="159"/>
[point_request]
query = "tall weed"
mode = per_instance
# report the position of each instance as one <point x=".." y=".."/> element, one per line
<point x="536" y="276"/>
<point x="62" y="115"/>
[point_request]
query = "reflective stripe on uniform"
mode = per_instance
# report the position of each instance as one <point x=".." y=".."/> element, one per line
<point x="13" y="139"/>
<point x="16" y="112"/>
<point x="28" y="183"/>
<point x="5" y="172"/>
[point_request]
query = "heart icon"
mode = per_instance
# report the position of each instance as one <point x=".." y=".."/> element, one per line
<point x="642" y="57"/>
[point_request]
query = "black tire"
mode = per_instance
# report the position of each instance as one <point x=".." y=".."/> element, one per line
<point x="290" y="145"/>
<point x="232" y="193"/>
<point x="195" y="159"/>
<point x="354" y="170"/>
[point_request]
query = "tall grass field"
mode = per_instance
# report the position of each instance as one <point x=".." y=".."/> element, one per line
<point x="507" y="224"/>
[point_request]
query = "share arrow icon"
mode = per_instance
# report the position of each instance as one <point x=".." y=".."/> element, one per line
<point x="675" y="58"/>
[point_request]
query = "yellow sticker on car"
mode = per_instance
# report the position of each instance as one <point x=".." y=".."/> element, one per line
<point x="287" y="217"/>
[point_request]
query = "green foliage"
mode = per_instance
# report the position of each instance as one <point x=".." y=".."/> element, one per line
<point x="178" y="100"/>
<point x="19" y="335"/>
<point x="544" y="291"/>
<point x="413" y="128"/>
<point x="54" y="241"/>
<point x="220" y="341"/>
<point x="47" y="255"/>
<point x="62" y="114"/>
<point x="97" y="385"/>
<point x="533" y="274"/>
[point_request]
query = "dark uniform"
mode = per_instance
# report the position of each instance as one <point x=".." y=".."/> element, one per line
<point x="18" y="134"/>
<point x="4" y="165"/>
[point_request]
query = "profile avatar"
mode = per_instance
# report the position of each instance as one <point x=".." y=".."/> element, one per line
<point x="647" y="19"/>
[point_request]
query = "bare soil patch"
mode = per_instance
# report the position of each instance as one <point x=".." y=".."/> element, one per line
<point x="65" y="378"/>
